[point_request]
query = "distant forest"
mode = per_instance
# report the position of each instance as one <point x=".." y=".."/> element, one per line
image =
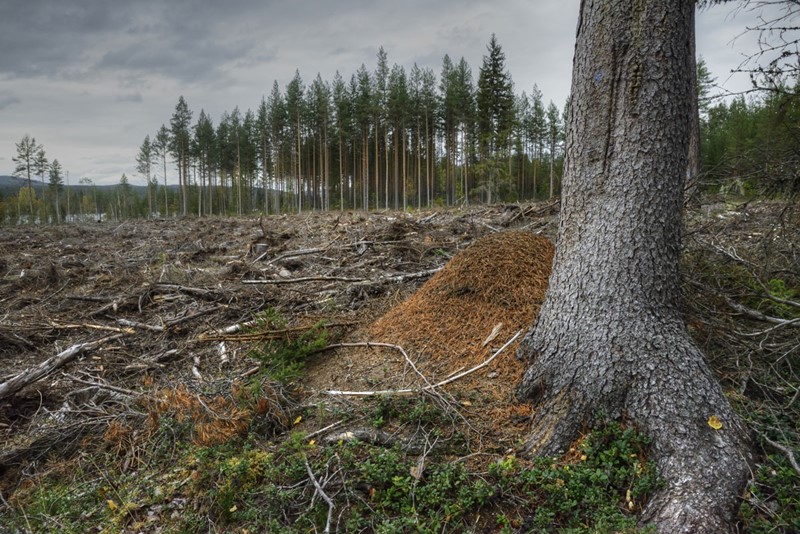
<point x="391" y="139"/>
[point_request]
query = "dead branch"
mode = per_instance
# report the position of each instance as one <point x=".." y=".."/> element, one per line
<point x="31" y="375"/>
<point x="295" y="253"/>
<point x="238" y="327"/>
<point x="305" y="279"/>
<point x="754" y="314"/>
<point x="70" y="326"/>
<point x="399" y="278"/>
<point x="282" y="333"/>
<point x="88" y="298"/>
<point x="370" y="344"/>
<point x="101" y="385"/>
<point x="195" y="315"/>
<point x="308" y="437"/>
<point x="141" y="326"/>
<point x="757" y="315"/>
<point x="357" y="281"/>
<point x="377" y="437"/>
<point x="207" y="294"/>
<point x="785" y="450"/>
<point x="410" y="391"/>
<point x="322" y="494"/>
<point x="410" y="276"/>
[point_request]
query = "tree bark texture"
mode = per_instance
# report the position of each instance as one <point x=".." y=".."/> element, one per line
<point x="610" y="336"/>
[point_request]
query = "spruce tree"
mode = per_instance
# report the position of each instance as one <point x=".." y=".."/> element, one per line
<point x="56" y="184"/>
<point x="144" y="162"/>
<point x="495" y="102"/>
<point x="179" y="146"/>
<point x="295" y="109"/>
<point x="25" y="159"/>
<point x="160" y="146"/>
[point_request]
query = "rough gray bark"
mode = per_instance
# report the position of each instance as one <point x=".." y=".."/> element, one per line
<point x="610" y="335"/>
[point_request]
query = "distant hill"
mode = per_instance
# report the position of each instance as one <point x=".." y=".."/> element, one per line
<point x="12" y="184"/>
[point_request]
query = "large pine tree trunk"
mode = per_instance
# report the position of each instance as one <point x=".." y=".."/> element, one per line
<point x="610" y="336"/>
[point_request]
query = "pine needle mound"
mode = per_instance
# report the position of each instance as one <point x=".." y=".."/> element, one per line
<point x="500" y="279"/>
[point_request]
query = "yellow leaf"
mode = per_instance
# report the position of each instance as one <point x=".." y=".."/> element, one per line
<point x="312" y="442"/>
<point x="714" y="422"/>
<point x="298" y="419"/>
<point x="111" y="505"/>
<point x="232" y="509"/>
<point x="466" y="403"/>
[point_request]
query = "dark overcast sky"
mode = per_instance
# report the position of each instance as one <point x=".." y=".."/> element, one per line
<point x="90" y="78"/>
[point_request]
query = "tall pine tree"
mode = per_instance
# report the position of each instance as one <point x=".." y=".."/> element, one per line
<point x="495" y="122"/>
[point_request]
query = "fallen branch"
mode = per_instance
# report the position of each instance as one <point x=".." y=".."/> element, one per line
<point x="142" y="326"/>
<point x="194" y="315"/>
<point x="410" y="391"/>
<point x="321" y="494"/>
<point x="208" y="294"/>
<point x="70" y="326"/>
<point x="409" y="276"/>
<point x="308" y="437"/>
<point x="758" y="316"/>
<point x="267" y="334"/>
<point x="295" y="253"/>
<point x="370" y="344"/>
<point x="357" y="281"/>
<point x="100" y="385"/>
<point x="305" y="279"/>
<point x="239" y="327"/>
<point x="31" y="375"/>
<point x="785" y="450"/>
<point x="533" y="211"/>
<point x="377" y="437"/>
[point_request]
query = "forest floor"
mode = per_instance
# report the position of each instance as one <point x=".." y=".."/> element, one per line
<point x="324" y="328"/>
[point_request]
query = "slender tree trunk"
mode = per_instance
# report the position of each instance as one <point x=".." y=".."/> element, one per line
<point x="386" y="147"/>
<point x="552" y="166"/>
<point x="354" y="187"/>
<point x="377" y="166"/>
<point x="326" y="167"/>
<point x="166" y="197"/>
<point x="313" y="172"/>
<point x="419" y="169"/>
<point x="299" y="168"/>
<point x="610" y="335"/>
<point x="183" y="177"/>
<point x="30" y="194"/>
<point x="395" y="166"/>
<point x="341" y="175"/>
<point x="405" y="177"/>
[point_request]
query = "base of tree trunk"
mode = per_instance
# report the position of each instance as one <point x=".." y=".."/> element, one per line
<point x="655" y="378"/>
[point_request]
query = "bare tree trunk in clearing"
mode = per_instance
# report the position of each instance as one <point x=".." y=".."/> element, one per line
<point x="610" y="335"/>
